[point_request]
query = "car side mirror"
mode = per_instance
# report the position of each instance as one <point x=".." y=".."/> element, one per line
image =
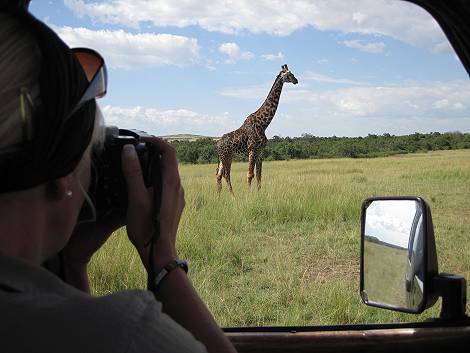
<point x="399" y="269"/>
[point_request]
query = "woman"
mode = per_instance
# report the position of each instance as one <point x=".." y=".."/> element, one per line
<point x="49" y="124"/>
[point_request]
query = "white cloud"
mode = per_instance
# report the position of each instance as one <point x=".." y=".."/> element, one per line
<point x="166" y="122"/>
<point x="322" y="124"/>
<point x="442" y="47"/>
<point x="234" y="53"/>
<point x="374" y="48"/>
<point x="132" y="51"/>
<point x="352" y="111"/>
<point x="403" y="101"/>
<point x="250" y="92"/>
<point x="210" y="65"/>
<point x="442" y="103"/>
<point x="397" y="19"/>
<point x="407" y="100"/>
<point x="271" y="57"/>
<point x="359" y="110"/>
<point x="314" y="76"/>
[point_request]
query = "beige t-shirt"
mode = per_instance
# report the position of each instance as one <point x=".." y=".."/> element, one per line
<point x="41" y="313"/>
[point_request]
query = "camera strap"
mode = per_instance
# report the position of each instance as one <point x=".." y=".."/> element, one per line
<point x="157" y="199"/>
<point x="151" y="270"/>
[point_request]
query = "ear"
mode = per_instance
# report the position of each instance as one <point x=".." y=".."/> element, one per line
<point x="284" y="67"/>
<point x="58" y="188"/>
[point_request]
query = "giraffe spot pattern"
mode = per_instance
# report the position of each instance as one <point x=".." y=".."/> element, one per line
<point x="250" y="137"/>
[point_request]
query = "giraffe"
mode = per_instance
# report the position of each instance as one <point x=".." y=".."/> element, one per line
<point x="250" y="137"/>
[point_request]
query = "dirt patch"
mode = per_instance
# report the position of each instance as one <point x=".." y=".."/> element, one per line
<point x="323" y="270"/>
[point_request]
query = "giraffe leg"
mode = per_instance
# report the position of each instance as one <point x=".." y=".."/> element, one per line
<point x="251" y="167"/>
<point x="259" y="166"/>
<point x="223" y="170"/>
<point x="227" y="176"/>
<point x="220" y="173"/>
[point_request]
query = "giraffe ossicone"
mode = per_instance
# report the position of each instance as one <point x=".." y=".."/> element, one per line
<point x="250" y="137"/>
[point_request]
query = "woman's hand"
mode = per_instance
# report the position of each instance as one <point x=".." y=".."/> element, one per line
<point x="89" y="237"/>
<point x="86" y="239"/>
<point x="141" y="210"/>
<point x="179" y="298"/>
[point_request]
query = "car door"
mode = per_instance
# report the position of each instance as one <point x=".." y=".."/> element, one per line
<point x="430" y="336"/>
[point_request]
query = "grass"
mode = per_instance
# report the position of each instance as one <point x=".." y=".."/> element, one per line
<point x="289" y="254"/>
<point x="384" y="273"/>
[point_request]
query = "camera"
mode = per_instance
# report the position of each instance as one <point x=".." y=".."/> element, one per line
<point x="108" y="188"/>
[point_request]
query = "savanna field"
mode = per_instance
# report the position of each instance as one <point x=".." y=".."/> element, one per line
<point x="289" y="254"/>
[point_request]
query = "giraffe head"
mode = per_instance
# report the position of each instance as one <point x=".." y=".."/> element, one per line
<point x="288" y="76"/>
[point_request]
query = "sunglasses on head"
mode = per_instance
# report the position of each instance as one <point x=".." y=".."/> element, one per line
<point x="95" y="70"/>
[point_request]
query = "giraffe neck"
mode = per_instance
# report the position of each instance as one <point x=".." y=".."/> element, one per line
<point x="265" y="113"/>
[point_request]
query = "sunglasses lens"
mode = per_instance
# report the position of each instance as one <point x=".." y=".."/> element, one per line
<point x="101" y="82"/>
<point x="95" y="69"/>
<point x="90" y="63"/>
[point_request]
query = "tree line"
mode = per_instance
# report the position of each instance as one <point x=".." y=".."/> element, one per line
<point x="307" y="146"/>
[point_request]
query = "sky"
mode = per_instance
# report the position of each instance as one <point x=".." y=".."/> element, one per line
<point x="390" y="221"/>
<point x="201" y="67"/>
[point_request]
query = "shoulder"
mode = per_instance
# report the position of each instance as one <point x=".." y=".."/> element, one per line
<point x="155" y="331"/>
<point x="127" y="321"/>
<point x="74" y="323"/>
<point x="138" y="316"/>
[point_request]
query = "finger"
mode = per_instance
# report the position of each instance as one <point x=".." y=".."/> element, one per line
<point x="160" y="143"/>
<point x="167" y="151"/>
<point x="133" y="174"/>
<point x="169" y="164"/>
<point x="111" y="223"/>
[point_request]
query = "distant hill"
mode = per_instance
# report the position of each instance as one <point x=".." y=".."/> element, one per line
<point x="376" y="240"/>
<point x="187" y="137"/>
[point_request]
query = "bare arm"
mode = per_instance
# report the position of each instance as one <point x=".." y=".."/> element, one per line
<point x="73" y="273"/>
<point x="183" y="304"/>
<point x="77" y="276"/>
<point x="86" y="239"/>
<point x="176" y="292"/>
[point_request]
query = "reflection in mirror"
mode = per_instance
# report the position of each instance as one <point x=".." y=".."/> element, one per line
<point x="393" y="254"/>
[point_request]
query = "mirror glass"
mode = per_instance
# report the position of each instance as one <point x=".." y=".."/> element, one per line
<point x="393" y="261"/>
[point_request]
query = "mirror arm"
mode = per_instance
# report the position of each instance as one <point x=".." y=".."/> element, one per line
<point x="453" y="290"/>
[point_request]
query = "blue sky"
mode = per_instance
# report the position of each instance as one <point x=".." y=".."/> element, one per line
<point x="201" y="67"/>
<point x="390" y="221"/>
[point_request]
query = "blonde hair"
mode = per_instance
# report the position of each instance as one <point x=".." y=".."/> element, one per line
<point x="29" y="52"/>
<point x="20" y="89"/>
<point x="20" y="80"/>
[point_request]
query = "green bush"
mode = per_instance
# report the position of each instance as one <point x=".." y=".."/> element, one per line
<point x="202" y="151"/>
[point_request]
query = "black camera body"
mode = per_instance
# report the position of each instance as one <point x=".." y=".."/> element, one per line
<point x="108" y="189"/>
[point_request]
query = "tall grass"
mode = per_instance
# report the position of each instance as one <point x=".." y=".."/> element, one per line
<point x="289" y="253"/>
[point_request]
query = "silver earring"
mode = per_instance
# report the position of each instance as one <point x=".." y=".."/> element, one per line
<point x="69" y="193"/>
